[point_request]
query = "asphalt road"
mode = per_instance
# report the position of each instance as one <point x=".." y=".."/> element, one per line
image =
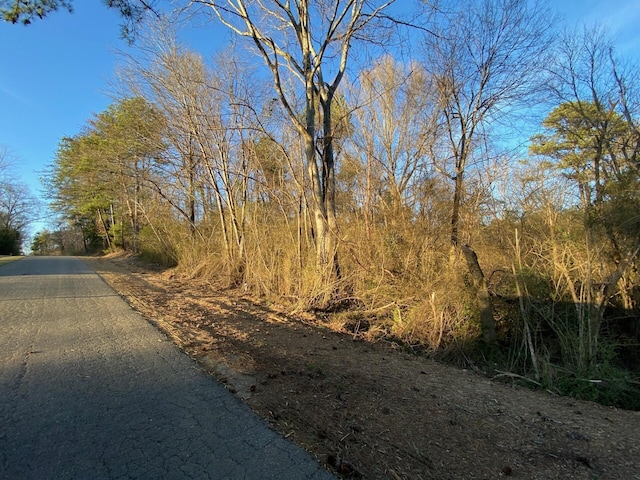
<point x="90" y="390"/>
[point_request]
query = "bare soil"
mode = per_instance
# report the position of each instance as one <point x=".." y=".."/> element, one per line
<point x="369" y="410"/>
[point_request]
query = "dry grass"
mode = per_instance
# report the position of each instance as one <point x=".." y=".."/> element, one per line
<point x="401" y="284"/>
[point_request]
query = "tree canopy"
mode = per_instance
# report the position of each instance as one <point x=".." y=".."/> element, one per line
<point x="25" y="11"/>
<point x="97" y="178"/>
<point x="18" y="207"/>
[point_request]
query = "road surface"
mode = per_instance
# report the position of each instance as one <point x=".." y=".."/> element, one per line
<point x="90" y="390"/>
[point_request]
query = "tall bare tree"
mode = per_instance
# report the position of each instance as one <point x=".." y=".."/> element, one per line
<point x="210" y="116"/>
<point x="396" y="114"/>
<point x="308" y="43"/>
<point x="486" y="59"/>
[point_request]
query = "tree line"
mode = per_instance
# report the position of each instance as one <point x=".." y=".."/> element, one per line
<point x="18" y="207"/>
<point x="398" y="192"/>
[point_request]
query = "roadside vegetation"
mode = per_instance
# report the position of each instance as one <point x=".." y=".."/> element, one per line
<point x="477" y="201"/>
<point x="18" y="207"/>
<point x="4" y="259"/>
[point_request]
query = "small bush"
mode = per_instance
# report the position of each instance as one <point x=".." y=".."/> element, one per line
<point x="612" y="387"/>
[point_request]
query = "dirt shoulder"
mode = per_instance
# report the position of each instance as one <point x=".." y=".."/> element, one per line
<point x="370" y="411"/>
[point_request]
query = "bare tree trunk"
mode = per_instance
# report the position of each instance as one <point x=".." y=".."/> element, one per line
<point x="329" y="182"/>
<point x="455" y="212"/>
<point x="318" y="210"/>
<point x="191" y="193"/>
<point x="483" y="299"/>
<point x="106" y="230"/>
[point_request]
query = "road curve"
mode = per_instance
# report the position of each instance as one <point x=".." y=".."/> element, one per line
<point x="90" y="390"/>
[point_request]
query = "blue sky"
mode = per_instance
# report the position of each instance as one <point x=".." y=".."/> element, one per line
<point x="54" y="74"/>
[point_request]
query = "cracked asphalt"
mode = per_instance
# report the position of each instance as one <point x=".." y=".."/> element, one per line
<point x="90" y="390"/>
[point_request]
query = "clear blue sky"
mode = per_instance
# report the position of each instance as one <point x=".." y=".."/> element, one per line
<point x="55" y="73"/>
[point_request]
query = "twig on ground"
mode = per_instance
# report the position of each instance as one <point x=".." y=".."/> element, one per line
<point x="515" y="375"/>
